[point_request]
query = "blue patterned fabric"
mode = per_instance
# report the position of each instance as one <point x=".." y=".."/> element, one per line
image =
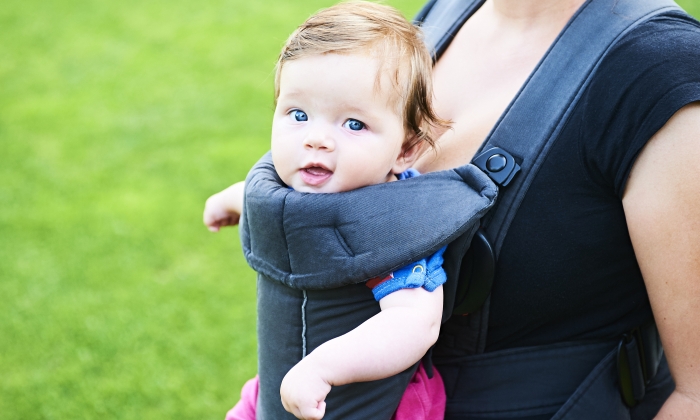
<point x="426" y="273"/>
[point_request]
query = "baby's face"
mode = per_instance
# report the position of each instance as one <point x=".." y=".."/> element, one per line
<point x="333" y="130"/>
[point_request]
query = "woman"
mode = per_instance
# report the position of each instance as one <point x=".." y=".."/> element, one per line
<point x="608" y="235"/>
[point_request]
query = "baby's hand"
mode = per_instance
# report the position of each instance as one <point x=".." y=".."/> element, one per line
<point x="304" y="391"/>
<point x="224" y="208"/>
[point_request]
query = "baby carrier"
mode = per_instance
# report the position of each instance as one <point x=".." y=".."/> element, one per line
<point x="312" y="252"/>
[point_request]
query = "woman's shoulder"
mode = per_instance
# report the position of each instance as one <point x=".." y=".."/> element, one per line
<point x="673" y="34"/>
<point x="650" y="73"/>
<point x="664" y="48"/>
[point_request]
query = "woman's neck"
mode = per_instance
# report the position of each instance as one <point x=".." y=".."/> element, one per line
<point x="526" y="15"/>
<point x="484" y="67"/>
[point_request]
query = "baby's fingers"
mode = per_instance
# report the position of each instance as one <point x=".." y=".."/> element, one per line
<point x="313" y="413"/>
<point x="215" y="222"/>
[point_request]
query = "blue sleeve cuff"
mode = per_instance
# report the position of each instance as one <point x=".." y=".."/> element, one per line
<point x="426" y="273"/>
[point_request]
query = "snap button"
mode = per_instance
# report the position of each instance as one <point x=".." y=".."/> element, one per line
<point x="496" y="163"/>
<point x="418" y="269"/>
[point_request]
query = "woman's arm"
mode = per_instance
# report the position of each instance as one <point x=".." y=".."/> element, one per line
<point x="662" y="207"/>
<point x="384" y="345"/>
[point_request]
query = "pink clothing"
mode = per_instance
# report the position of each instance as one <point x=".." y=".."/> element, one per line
<point x="424" y="399"/>
<point x="245" y="407"/>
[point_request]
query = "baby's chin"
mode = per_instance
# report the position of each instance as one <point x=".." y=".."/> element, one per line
<point x="315" y="189"/>
<point x="330" y="187"/>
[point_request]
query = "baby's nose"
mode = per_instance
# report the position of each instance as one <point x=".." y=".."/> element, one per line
<point x="320" y="140"/>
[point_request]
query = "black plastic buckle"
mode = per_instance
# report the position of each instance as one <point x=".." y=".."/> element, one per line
<point x="498" y="164"/>
<point x="632" y="372"/>
<point x="476" y="275"/>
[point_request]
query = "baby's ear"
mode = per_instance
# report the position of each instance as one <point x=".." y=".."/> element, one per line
<point x="410" y="151"/>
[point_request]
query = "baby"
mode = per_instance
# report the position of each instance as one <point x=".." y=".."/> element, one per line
<point x="353" y="108"/>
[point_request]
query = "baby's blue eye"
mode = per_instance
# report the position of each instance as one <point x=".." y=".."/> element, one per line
<point x="300" y="116"/>
<point x="354" y="125"/>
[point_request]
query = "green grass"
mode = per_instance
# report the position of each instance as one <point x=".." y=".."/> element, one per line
<point x="117" y="120"/>
<point x="691" y="6"/>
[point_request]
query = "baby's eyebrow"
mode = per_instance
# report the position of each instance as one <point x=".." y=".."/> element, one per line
<point x="355" y="109"/>
<point x="345" y="109"/>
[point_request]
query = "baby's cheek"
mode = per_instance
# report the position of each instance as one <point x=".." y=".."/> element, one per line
<point x="282" y="165"/>
<point x="285" y="174"/>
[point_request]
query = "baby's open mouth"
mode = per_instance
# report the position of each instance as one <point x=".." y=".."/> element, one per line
<point x="315" y="175"/>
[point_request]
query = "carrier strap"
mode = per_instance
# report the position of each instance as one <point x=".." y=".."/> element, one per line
<point x="526" y="381"/>
<point x="441" y="20"/>
<point x="537" y="114"/>
<point x="573" y="380"/>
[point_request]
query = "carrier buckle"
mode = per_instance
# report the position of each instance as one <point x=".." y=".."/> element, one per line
<point x="475" y="275"/>
<point x="638" y="356"/>
<point x="498" y="164"/>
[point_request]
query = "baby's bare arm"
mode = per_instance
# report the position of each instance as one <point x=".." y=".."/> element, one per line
<point x="224" y="208"/>
<point x="384" y="345"/>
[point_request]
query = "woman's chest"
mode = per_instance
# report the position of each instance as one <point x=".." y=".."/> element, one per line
<point x="474" y="82"/>
<point x="473" y="100"/>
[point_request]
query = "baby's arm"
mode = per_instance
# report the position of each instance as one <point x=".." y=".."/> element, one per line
<point x="224" y="208"/>
<point x="384" y="345"/>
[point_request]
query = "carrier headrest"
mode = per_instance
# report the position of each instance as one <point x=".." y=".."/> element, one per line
<point x="322" y="241"/>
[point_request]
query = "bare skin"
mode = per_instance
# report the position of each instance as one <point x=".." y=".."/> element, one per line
<point x="485" y="66"/>
<point x="475" y="80"/>
<point x="662" y="207"/>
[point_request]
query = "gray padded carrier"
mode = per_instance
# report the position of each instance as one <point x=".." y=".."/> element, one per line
<point x="313" y="252"/>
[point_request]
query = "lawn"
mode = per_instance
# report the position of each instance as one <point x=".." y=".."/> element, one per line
<point x="117" y="120"/>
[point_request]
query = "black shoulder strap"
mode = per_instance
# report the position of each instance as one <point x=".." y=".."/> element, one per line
<point x="535" y="117"/>
<point x="442" y="19"/>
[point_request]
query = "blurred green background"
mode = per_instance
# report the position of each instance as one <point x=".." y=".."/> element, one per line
<point x="117" y="121"/>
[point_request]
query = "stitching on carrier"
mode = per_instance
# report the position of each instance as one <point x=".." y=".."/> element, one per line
<point x="303" y="326"/>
